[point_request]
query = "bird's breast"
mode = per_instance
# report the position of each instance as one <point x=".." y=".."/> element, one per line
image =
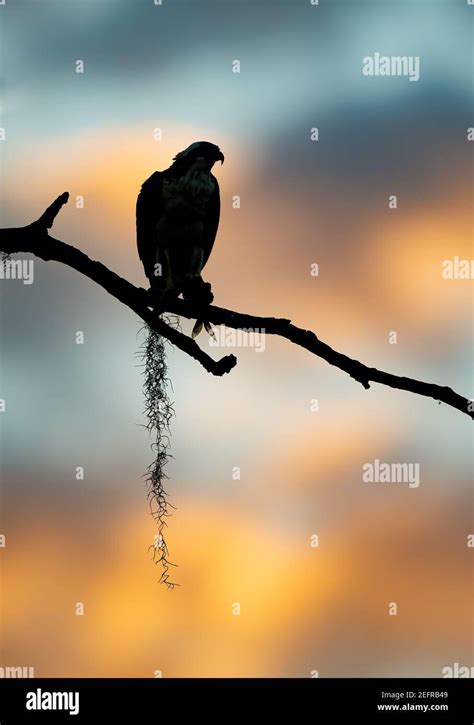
<point x="186" y="198"/>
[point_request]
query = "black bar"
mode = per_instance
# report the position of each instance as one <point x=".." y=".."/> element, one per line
<point x="148" y="700"/>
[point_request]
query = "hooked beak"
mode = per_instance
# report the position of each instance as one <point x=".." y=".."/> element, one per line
<point x="220" y="157"/>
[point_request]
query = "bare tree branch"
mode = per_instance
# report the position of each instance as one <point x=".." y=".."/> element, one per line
<point x="48" y="217"/>
<point x="34" y="239"/>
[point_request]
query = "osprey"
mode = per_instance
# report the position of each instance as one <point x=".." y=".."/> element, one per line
<point x="177" y="218"/>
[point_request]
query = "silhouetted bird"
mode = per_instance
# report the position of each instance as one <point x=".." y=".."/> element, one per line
<point x="177" y="218"/>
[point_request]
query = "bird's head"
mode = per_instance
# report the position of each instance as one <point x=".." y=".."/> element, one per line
<point x="200" y="154"/>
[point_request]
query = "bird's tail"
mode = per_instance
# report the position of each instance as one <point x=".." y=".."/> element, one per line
<point x="199" y="293"/>
<point x="199" y="324"/>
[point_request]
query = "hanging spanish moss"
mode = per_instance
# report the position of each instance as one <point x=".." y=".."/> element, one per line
<point x="158" y="413"/>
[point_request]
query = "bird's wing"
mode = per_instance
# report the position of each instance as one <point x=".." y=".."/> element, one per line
<point x="211" y="221"/>
<point x="148" y="211"/>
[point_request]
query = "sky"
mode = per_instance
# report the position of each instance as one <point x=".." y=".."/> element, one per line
<point x="245" y="540"/>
